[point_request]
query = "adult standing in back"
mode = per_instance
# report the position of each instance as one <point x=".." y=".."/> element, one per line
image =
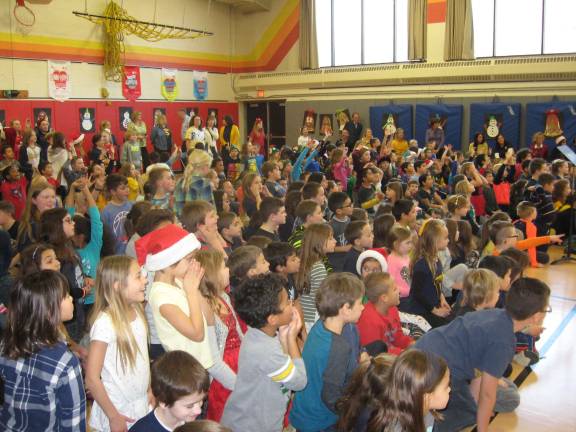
<point x="354" y="128"/>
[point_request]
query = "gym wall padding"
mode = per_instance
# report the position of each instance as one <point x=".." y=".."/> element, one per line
<point x="510" y="113"/>
<point x="536" y="120"/>
<point x="65" y="115"/>
<point x="452" y="127"/>
<point x="379" y="114"/>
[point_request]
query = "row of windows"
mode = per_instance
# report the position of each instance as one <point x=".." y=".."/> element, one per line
<point x="352" y="32"/>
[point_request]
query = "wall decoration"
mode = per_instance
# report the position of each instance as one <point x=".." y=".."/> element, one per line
<point x="448" y="119"/>
<point x="342" y="117"/>
<point x="41" y="114"/>
<point x="3" y="118"/>
<point x="326" y="125"/>
<point x="552" y="118"/>
<point x="131" y="84"/>
<point x="214" y="113"/>
<point x="309" y="120"/>
<point x="87" y="119"/>
<point x="192" y="111"/>
<point x="200" y="84"/>
<point x="59" y="86"/>
<point x="386" y="116"/>
<point x="493" y="119"/>
<point x="169" y="86"/>
<point x="124" y="114"/>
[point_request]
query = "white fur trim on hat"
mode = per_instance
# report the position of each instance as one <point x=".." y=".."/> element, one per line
<point x="173" y="254"/>
<point x="560" y="139"/>
<point x="371" y="254"/>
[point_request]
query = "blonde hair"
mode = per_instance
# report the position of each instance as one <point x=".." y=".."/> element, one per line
<point x="312" y="251"/>
<point x="426" y="246"/>
<point x="197" y="160"/>
<point x="211" y="261"/>
<point x="456" y="202"/>
<point x="463" y="188"/>
<point x="478" y="286"/>
<point x="114" y="270"/>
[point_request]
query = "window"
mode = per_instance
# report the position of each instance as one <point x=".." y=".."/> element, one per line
<point x="361" y="31"/>
<point x="527" y="27"/>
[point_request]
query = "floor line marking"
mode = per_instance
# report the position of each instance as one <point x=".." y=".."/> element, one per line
<point x="550" y="341"/>
<point x="557" y="297"/>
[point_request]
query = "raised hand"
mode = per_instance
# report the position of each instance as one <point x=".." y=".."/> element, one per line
<point x="193" y="277"/>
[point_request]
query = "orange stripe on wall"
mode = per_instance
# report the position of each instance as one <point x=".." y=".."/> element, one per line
<point x="436" y="11"/>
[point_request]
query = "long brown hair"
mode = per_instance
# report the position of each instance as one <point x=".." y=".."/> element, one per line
<point x="247" y="183"/>
<point x="114" y="270"/>
<point x="211" y="261"/>
<point x="414" y="374"/>
<point x="52" y="232"/>
<point x="31" y="214"/>
<point x="363" y="391"/>
<point x="312" y="251"/>
<point x="34" y="314"/>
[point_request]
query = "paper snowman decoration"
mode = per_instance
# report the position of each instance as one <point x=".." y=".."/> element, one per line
<point x="87" y="121"/>
<point x="126" y="120"/>
<point x="492" y="130"/>
<point x="389" y="127"/>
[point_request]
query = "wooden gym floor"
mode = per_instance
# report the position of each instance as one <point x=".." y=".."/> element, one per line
<point x="548" y="390"/>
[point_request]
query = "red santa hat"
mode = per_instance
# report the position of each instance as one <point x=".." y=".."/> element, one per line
<point x="164" y="247"/>
<point x="371" y="254"/>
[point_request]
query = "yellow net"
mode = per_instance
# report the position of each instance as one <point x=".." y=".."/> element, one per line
<point x="117" y="23"/>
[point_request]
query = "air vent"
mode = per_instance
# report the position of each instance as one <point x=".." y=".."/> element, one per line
<point x="533" y="60"/>
<point x="353" y="69"/>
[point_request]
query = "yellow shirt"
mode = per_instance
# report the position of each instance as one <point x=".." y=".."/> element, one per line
<point x="134" y="188"/>
<point x="101" y="201"/>
<point x="399" y="146"/>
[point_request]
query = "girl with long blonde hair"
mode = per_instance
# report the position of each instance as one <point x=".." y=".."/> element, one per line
<point x="118" y="368"/>
<point x="194" y="184"/>
<point x="224" y="332"/>
<point x="318" y="241"/>
<point x="426" y="298"/>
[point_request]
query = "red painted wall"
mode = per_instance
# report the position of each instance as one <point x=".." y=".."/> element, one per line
<point x="66" y="115"/>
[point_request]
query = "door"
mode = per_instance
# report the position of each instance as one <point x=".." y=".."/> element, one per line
<point x="273" y="115"/>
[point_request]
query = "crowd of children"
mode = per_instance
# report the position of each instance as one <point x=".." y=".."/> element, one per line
<point x="336" y="286"/>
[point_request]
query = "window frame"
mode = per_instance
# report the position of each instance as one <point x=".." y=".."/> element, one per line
<point x="362" y="39"/>
<point x="542" y="39"/>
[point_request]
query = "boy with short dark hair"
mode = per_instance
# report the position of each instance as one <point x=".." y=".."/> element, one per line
<point x="7" y="221"/>
<point x="271" y="174"/>
<point x="359" y="234"/>
<point x="269" y="364"/>
<point x="115" y="212"/>
<point x="368" y="197"/>
<point x="200" y="218"/>
<point x="505" y="236"/>
<point x="380" y="320"/>
<point x="340" y="205"/>
<point x="284" y="261"/>
<point x="331" y="353"/>
<point x="271" y="215"/>
<point x="484" y="341"/>
<point x="309" y="212"/>
<point x="13" y="188"/>
<point x="230" y="228"/>
<point x="179" y="384"/>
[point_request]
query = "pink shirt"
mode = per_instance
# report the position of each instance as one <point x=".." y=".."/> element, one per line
<point x="398" y="268"/>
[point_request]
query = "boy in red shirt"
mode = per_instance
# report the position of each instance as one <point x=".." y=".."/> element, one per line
<point x="380" y="319"/>
<point x="14" y="189"/>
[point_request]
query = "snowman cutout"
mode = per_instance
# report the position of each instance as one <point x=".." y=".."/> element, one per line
<point x="390" y="126"/>
<point x="87" y="123"/>
<point x="126" y="120"/>
<point x="492" y="130"/>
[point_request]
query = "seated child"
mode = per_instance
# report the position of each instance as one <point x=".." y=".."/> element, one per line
<point x="370" y="261"/>
<point x="359" y="235"/>
<point x="380" y="320"/>
<point x="202" y="426"/>
<point x="484" y="341"/>
<point x="331" y="353"/>
<point x="179" y="385"/>
<point x="505" y="236"/>
<point x="527" y="214"/>
<point x="230" y="228"/>
<point x="480" y="291"/>
<point x="269" y="364"/>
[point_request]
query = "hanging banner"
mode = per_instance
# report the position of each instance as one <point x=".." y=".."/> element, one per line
<point x="131" y="87"/>
<point x="168" y="84"/>
<point x="59" y="80"/>
<point x="200" y="85"/>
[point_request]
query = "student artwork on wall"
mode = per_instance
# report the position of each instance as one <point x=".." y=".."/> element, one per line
<point x="124" y="114"/>
<point x="3" y="118"/>
<point x="213" y="112"/>
<point x="552" y="118"/>
<point x="342" y="117"/>
<point x="391" y="117"/>
<point x="493" y="119"/>
<point x="41" y="114"/>
<point x="326" y="125"/>
<point x="446" y="117"/>
<point x="309" y="120"/>
<point x="87" y="118"/>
